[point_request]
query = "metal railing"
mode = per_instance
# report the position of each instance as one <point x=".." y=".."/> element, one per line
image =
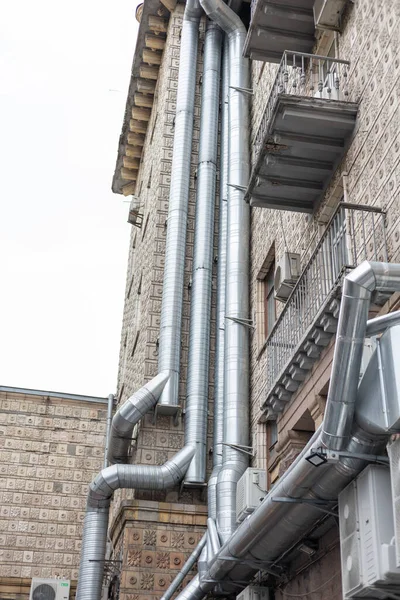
<point x="302" y="74"/>
<point x="355" y="233"/>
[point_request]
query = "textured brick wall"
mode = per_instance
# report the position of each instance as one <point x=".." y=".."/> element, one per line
<point x="50" y="450"/>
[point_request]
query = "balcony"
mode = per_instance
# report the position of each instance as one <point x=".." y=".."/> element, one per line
<point x="309" y="319"/>
<point x="303" y="133"/>
<point x="278" y="26"/>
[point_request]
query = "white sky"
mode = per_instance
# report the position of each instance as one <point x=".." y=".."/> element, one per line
<point x="63" y="234"/>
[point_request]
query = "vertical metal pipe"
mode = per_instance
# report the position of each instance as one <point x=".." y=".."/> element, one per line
<point x="172" y="299"/>
<point x="110" y="406"/>
<point x="196" y="409"/>
<point x="218" y="431"/>
<point x="236" y="421"/>
<point x="189" y="564"/>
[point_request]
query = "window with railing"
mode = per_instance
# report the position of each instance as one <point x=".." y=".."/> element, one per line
<point x="355" y="233"/>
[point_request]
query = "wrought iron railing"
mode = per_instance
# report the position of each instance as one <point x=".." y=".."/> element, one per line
<point x="301" y="74"/>
<point x="355" y="233"/>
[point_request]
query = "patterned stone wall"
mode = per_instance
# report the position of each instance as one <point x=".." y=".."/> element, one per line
<point x="156" y="539"/>
<point x="50" y="449"/>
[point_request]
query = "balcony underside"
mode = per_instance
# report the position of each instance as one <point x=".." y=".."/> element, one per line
<point x="303" y="144"/>
<point x="278" y="26"/>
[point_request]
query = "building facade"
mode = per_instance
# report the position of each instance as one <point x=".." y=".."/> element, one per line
<point x="324" y="196"/>
<point x="52" y="444"/>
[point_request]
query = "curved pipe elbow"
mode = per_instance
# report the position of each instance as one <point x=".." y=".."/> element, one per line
<point x="225" y="17"/>
<point x="129" y="414"/>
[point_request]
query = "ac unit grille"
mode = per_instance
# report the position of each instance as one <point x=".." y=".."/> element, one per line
<point x="348" y="513"/>
<point x="351" y="576"/>
<point x="44" y="591"/>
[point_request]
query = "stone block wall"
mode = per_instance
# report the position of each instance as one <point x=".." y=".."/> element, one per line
<point x="50" y="450"/>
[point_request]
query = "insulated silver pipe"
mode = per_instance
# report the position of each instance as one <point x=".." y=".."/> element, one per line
<point x="172" y="299"/>
<point x="218" y="431"/>
<point x="236" y="386"/>
<point x="110" y="406"/>
<point x="380" y="324"/>
<point x="276" y="526"/>
<point x="129" y="414"/>
<point x="144" y="477"/>
<point x="357" y="290"/>
<point x="196" y="409"/>
<point x="189" y="564"/>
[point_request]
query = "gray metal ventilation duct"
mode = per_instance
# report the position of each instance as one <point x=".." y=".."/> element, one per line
<point x="276" y="527"/>
<point x="196" y="408"/>
<point x="218" y="432"/>
<point x="236" y="383"/>
<point x="167" y="382"/>
<point x="144" y="477"/>
<point x="129" y="414"/>
<point x="172" y="298"/>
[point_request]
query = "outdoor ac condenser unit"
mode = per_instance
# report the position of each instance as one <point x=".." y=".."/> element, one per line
<point x="394" y="457"/>
<point x="253" y="592"/>
<point x="287" y="273"/>
<point x="251" y="491"/>
<point x="49" y="589"/>
<point x="366" y="527"/>
<point x="327" y="13"/>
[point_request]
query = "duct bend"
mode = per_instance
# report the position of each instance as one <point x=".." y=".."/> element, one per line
<point x="172" y="298"/>
<point x="357" y="291"/>
<point x="129" y="414"/>
<point x="144" y="477"/>
<point x="236" y="379"/>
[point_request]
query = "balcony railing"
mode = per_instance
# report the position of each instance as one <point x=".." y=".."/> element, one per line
<point x="355" y="233"/>
<point x="307" y="75"/>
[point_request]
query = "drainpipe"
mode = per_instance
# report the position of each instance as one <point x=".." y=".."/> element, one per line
<point x="110" y="405"/>
<point x="236" y="421"/>
<point x="276" y="526"/>
<point x="196" y="409"/>
<point x="187" y="567"/>
<point x="218" y="430"/>
<point x="172" y="299"/>
<point x="143" y="477"/>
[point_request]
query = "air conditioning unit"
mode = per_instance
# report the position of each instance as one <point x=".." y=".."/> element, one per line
<point x="327" y="13"/>
<point x="135" y="217"/>
<point x="49" y="589"/>
<point x="253" y="592"/>
<point x="394" y="457"/>
<point x="368" y="555"/>
<point x="251" y="491"/>
<point x="287" y="273"/>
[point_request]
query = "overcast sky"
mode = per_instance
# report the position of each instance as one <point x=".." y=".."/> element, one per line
<point x="64" y="75"/>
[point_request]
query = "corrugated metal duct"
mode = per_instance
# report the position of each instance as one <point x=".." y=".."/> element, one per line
<point x="275" y="527"/>
<point x="172" y="299"/>
<point x="196" y="409"/>
<point x="236" y="383"/>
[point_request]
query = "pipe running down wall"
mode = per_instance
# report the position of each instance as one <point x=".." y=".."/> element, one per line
<point x="172" y="298"/>
<point x="275" y="527"/>
<point x="236" y="377"/>
<point x="196" y="408"/>
<point x="166" y="383"/>
<point x="218" y="432"/>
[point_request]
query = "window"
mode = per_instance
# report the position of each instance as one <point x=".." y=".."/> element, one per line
<point x="266" y="304"/>
<point x="272" y="434"/>
<point x="269" y="301"/>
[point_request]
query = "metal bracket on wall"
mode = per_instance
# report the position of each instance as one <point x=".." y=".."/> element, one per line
<point x="241" y="188"/>
<point x="255" y="563"/>
<point x="245" y="449"/>
<point x="319" y="504"/>
<point x="248" y="91"/>
<point x="176" y="414"/>
<point x="246" y="322"/>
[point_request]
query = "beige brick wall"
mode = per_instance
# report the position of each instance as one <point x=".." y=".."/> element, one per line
<point x="50" y="449"/>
